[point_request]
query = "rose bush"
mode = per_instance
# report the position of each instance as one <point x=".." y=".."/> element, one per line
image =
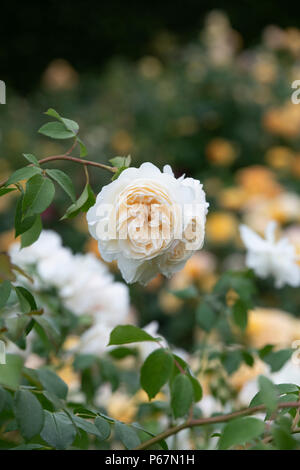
<point x="78" y="370"/>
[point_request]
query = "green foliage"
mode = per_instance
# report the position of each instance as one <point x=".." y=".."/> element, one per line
<point x="127" y="435"/>
<point x="241" y="431"/>
<point x="29" y="414"/>
<point x="64" y="181"/>
<point x="38" y="195"/>
<point x="205" y="316"/>
<point x="268" y="393"/>
<point x="121" y="163"/>
<point x="125" y="334"/>
<point x="182" y="394"/>
<point x="83" y="203"/>
<point x="156" y="371"/>
<point x="58" y="431"/>
<point x="5" y="290"/>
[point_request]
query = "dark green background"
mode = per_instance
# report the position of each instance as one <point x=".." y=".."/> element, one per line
<point x="88" y="33"/>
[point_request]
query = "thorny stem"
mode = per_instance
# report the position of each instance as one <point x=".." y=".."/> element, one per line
<point x="212" y="420"/>
<point x="66" y="157"/>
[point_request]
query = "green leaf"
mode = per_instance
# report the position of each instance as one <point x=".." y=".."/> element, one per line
<point x="52" y="383"/>
<point x="23" y="174"/>
<point x="4" y="191"/>
<point x="29" y="447"/>
<point x="29" y="414"/>
<point x="5" y="290"/>
<point x="2" y="398"/>
<point x="240" y="431"/>
<point x="38" y="195"/>
<point x="124" y="334"/>
<point x="58" y="430"/>
<point x="32" y="234"/>
<point x="83" y="149"/>
<point x="121" y="162"/>
<point x="240" y="314"/>
<point x="268" y="393"/>
<point x="187" y="293"/>
<point x="156" y="371"/>
<point x="83" y="203"/>
<point x="56" y="130"/>
<point x="86" y="426"/>
<point x="198" y="392"/>
<point x="51" y="112"/>
<point x="70" y="125"/>
<point x="84" y="361"/>
<point x="31" y="158"/>
<point x="205" y="316"/>
<point x="182" y="394"/>
<point x="64" y="181"/>
<point x="50" y="329"/>
<point x="22" y="225"/>
<point x="287" y="388"/>
<point x="283" y="439"/>
<point x="126" y="435"/>
<point x="122" y="352"/>
<point x="103" y="427"/>
<point x="277" y="359"/>
<point x="26" y="299"/>
<point x="16" y="326"/>
<point x="231" y="360"/>
<point x="10" y="373"/>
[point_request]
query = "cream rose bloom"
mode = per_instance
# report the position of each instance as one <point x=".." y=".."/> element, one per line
<point x="149" y="221"/>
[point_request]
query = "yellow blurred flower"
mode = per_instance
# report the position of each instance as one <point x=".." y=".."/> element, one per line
<point x="60" y="75"/>
<point x="168" y="302"/>
<point x="121" y="142"/>
<point x="283" y="121"/>
<point x="7" y="239"/>
<point x="280" y="157"/>
<point x="264" y="68"/>
<point x="221" y="227"/>
<point x="296" y="166"/>
<point x="150" y="67"/>
<point x="220" y="152"/>
<point x="271" y="326"/>
<point x="232" y="198"/>
<point x="68" y="375"/>
<point x="246" y="373"/>
<point x="258" y="180"/>
<point x="122" y="407"/>
<point x="186" y="125"/>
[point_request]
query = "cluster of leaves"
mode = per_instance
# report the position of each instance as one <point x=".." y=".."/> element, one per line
<point x="40" y="189"/>
<point x="162" y="367"/>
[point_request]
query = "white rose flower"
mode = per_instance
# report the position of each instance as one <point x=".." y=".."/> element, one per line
<point x="47" y="244"/>
<point x="58" y="268"/>
<point x="268" y="257"/>
<point x="95" y="340"/>
<point x="149" y="221"/>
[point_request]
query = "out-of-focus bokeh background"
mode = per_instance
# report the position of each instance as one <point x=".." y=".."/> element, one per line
<point x="206" y="90"/>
